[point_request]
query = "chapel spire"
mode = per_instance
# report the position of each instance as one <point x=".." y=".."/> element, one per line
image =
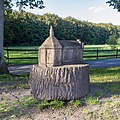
<point x="51" y="32"/>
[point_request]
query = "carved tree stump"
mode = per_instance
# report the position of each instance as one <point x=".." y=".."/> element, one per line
<point x="62" y="82"/>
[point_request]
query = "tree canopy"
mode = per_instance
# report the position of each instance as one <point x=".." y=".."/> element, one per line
<point x="23" y="28"/>
<point x="39" y="4"/>
<point x="25" y="3"/>
<point x="115" y="4"/>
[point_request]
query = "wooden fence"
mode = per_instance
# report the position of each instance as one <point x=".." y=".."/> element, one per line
<point x="87" y="54"/>
<point x="115" y="53"/>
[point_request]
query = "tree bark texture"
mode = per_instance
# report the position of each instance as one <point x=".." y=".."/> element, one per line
<point x="66" y="82"/>
<point x="3" y="67"/>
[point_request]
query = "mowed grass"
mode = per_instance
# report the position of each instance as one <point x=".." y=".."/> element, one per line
<point x="86" y="47"/>
<point x="101" y="47"/>
<point x="100" y="53"/>
<point x="23" y="54"/>
<point x="102" y="103"/>
<point x="107" y="79"/>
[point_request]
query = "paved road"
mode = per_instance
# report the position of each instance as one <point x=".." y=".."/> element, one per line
<point x="104" y="63"/>
<point x="21" y="69"/>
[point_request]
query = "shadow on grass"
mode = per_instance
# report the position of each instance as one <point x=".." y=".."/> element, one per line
<point x="105" y="90"/>
<point x="105" y="81"/>
<point x="13" y="82"/>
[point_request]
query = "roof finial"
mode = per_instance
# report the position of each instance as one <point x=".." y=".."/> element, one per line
<point x="51" y="32"/>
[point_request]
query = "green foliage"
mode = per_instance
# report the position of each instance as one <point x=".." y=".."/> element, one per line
<point x="99" y="93"/>
<point x="118" y="41"/>
<point x="56" y="104"/>
<point x="115" y="4"/>
<point x="8" y="4"/>
<point x="76" y="103"/>
<point x="43" y="104"/>
<point x="29" y="102"/>
<point x="112" y="41"/>
<point x="90" y="100"/>
<point x="22" y="28"/>
<point x="3" y="110"/>
<point x="53" y="104"/>
<point x="22" y="4"/>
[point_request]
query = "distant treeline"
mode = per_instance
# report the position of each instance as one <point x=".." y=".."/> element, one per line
<point x="22" y="28"/>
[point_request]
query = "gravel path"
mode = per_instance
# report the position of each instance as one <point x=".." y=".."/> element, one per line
<point x="21" y="69"/>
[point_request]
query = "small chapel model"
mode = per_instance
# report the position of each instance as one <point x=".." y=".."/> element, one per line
<point x="55" y="52"/>
<point x="60" y="73"/>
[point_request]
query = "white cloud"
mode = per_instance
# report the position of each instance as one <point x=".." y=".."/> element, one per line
<point x="95" y="9"/>
<point x="91" y="8"/>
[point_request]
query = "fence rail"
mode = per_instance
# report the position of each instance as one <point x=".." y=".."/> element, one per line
<point x="96" y="54"/>
<point x="20" y="49"/>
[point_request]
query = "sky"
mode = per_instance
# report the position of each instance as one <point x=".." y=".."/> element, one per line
<point x="96" y="11"/>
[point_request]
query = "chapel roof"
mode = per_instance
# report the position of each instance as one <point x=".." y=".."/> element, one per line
<point x="51" y="41"/>
<point x="70" y="43"/>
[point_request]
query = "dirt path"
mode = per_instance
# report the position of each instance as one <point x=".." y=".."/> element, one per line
<point x="21" y="69"/>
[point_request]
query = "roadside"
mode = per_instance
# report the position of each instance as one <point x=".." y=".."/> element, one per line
<point x="106" y="63"/>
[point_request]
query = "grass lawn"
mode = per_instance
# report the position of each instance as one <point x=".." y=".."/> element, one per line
<point x="102" y="103"/>
<point x="19" y="54"/>
<point x="86" y="47"/>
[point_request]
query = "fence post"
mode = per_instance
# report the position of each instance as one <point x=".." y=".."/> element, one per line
<point x="117" y="53"/>
<point x="8" y="55"/>
<point x="97" y="54"/>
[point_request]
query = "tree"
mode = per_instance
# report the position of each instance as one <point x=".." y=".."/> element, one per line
<point x="7" y="3"/>
<point x="115" y="4"/>
<point x="3" y="67"/>
<point x="112" y="41"/>
<point x="118" y="41"/>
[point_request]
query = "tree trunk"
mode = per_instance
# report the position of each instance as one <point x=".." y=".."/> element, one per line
<point x="3" y="67"/>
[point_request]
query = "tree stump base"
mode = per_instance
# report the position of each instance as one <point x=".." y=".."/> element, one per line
<point x="65" y="82"/>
